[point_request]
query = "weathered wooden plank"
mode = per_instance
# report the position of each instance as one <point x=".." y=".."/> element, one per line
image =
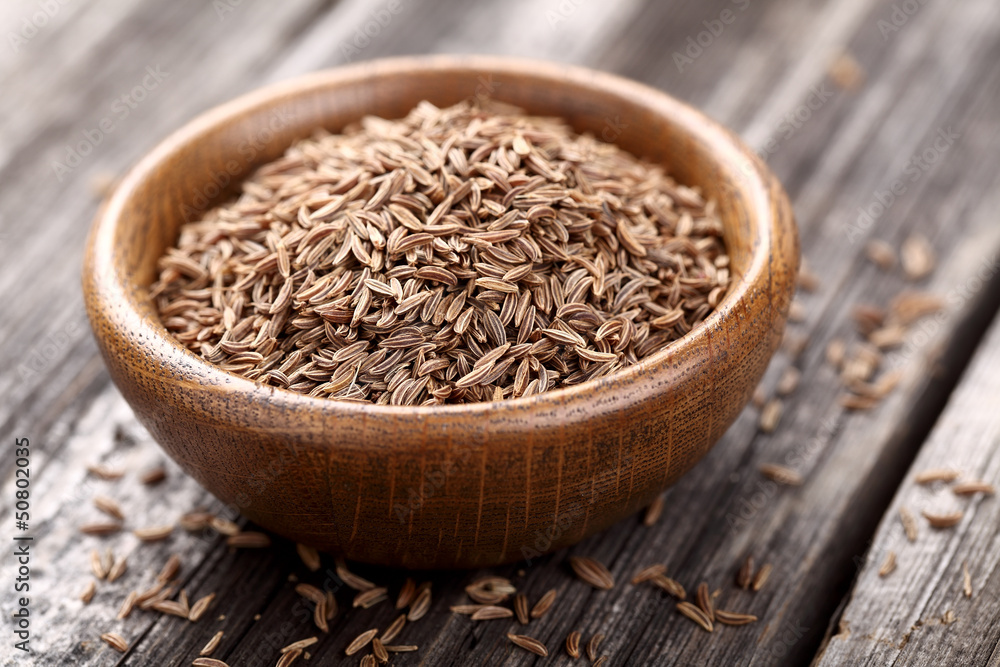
<point x="900" y="619"/>
<point x="832" y="164"/>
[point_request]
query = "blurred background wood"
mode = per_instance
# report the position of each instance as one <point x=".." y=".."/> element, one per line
<point x="923" y="112"/>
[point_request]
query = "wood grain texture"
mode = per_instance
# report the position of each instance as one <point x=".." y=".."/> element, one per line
<point x="938" y="70"/>
<point x="897" y="620"/>
<point x="570" y="461"/>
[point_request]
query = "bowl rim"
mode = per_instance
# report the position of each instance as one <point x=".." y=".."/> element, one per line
<point x="724" y="147"/>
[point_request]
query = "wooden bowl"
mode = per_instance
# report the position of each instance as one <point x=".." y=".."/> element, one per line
<point x="453" y="486"/>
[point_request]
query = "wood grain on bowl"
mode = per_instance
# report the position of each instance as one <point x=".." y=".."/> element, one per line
<point x="446" y="486"/>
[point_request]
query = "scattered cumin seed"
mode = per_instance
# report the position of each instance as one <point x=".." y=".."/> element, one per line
<point x="771" y="415"/>
<point x="350" y="579"/>
<point x="909" y="524"/>
<point x="212" y="644"/>
<point x="170" y="569"/>
<point x="406" y="593"/>
<point x="971" y="487"/>
<point x="88" y="592"/>
<point x="371" y="597"/>
<point x="466" y="608"/>
<point x="909" y="306"/>
<point x="917" y="256"/>
<point x="394" y="629"/>
<point x="118" y="569"/>
<point x="310" y="592"/>
<point x="647" y="573"/>
<point x="300" y="644"/>
<point x="600" y="661"/>
<point x="331" y="605"/>
<point x="808" y="280"/>
<point x="695" y="614"/>
<point x="406" y="648"/>
<point x="544" y="604"/>
<point x="704" y="600"/>
<point x="867" y="317"/>
<point x="592" y="572"/>
<point x="200" y="606"/>
<point x="115" y="641"/>
<point x="521" y="608"/>
<point x="855" y="402"/>
<point x="943" y="520"/>
<point x="653" y="512"/>
<point x="594" y="645"/>
<point x="153" y="533"/>
<point x="378" y="649"/>
<point x="287" y="659"/>
<point x="573" y="644"/>
<point x="936" y="475"/>
<point x="361" y="641"/>
<point x="490" y="612"/>
<point x="733" y="618"/>
<point x="208" y="662"/>
<point x="669" y="585"/>
<point x="529" y="644"/>
<point x="319" y="616"/>
<point x="195" y="521"/>
<point x="846" y="72"/>
<point x="420" y="605"/>
<point x="490" y="590"/>
<point x="249" y="540"/>
<point x="368" y="661"/>
<point x="127" y="605"/>
<point x="223" y="526"/>
<point x="881" y="253"/>
<point x="172" y="608"/>
<point x="104" y="472"/>
<point x="789" y="381"/>
<point x="97" y="564"/>
<point x="888" y="565"/>
<point x="100" y="528"/>
<point x="153" y="476"/>
<point x="309" y="557"/>
<point x="780" y="474"/>
<point x="949" y="617"/>
<point x="966" y="580"/>
<point x="744" y="576"/>
<point x="109" y="506"/>
<point x="836" y="353"/>
<point x="761" y="577"/>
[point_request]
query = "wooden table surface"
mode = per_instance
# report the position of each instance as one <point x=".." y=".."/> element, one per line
<point x="913" y="139"/>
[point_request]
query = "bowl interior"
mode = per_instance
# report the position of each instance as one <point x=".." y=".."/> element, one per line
<point x="207" y="160"/>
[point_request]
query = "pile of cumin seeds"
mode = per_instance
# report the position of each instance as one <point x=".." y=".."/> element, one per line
<point x="457" y="255"/>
